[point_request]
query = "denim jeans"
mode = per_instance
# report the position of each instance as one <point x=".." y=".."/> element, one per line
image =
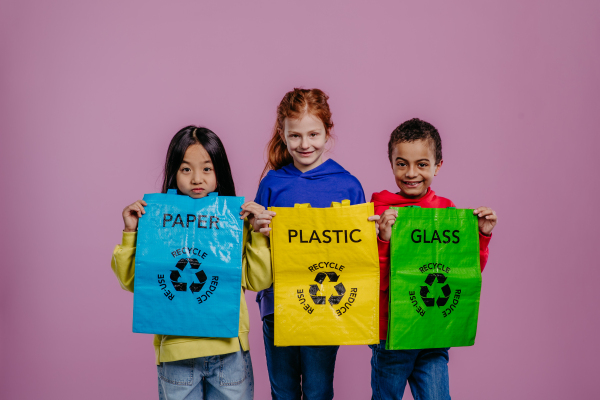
<point x="297" y="372"/>
<point x="222" y="377"/>
<point x="425" y="370"/>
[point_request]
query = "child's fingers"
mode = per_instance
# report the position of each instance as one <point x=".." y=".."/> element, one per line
<point x="374" y="218"/>
<point x="265" y="231"/>
<point x="141" y="206"/>
<point x="244" y="214"/>
<point x="484" y="211"/>
<point x="266" y="215"/>
<point x="478" y="210"/>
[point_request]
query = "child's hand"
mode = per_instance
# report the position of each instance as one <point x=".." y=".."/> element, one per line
<point x="262" y="222"/>
<point x="132" y="213"/>
<point x="250" y="209"/>
<point x="487" y="219"/>
<point x="375" y="218"/>
<point x="388" y="218"/>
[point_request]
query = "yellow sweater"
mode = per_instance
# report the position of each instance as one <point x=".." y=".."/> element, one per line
<point x="256" y="275"/>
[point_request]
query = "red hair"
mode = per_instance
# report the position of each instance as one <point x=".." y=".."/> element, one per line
<point x="295" y="105"/>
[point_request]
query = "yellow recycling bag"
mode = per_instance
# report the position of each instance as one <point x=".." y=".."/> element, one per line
<point x="326" y="275"/>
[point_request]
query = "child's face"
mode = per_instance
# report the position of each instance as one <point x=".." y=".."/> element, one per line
<point x="196" y="175"/>
<point x="305" y="139"/>
<point x="414" y="167"/>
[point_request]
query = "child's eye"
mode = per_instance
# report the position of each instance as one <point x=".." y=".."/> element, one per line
<point x="185" y="169"/>
<point x="207" y="169"/>
<point x="422" y="165"/>
<point x="401" y="164"/>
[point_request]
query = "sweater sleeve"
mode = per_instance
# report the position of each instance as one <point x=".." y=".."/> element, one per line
<point x="257" y="274"/>
<point x="357" y="193"/>
<point x="484" y="251"/>
<point x="383" y="248"/>
<point x="123" y="260"/>
<point x="262" y="196"/>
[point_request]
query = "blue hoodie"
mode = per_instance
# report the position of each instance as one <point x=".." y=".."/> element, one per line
<point x="320" y="186"/>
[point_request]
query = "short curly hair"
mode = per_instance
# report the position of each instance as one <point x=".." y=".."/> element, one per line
<point x="416" y="129"/>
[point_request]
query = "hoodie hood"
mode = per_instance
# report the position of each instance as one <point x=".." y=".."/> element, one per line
<point x="384" y="200"/>
<point x="326" y="169"/>
<point x="393" y="199"/>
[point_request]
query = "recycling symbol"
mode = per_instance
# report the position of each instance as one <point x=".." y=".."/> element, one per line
<point x="430" y="293"/>
<point x="319" y="298"/>
<point x="181" y="285"/>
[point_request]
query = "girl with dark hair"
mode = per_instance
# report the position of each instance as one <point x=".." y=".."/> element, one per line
<point x="297" y="173"/>
<point x="191" y="367"/>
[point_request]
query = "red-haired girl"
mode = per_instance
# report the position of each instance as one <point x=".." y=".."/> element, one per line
<point x="298" y="174"/>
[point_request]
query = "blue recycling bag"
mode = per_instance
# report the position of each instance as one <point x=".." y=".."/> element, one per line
<point x="188" y="266"/>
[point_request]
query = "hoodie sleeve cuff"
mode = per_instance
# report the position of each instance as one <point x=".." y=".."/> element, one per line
<point x="383" y="246"/>
<point x="129" y="239"/>
<point x="484" y="240"/>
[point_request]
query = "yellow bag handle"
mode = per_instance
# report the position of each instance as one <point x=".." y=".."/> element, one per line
<point x="344" y="203"/>
<point x="303" y="205"/>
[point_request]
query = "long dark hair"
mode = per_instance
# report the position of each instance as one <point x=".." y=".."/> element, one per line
<point x="212" y="144"/>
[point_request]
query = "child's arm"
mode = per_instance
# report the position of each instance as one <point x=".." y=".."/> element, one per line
<point x="487" y="219"/>
<point x="123" y="258"/>
<point x="386" y="221"/>
<point x="257" y="273"/>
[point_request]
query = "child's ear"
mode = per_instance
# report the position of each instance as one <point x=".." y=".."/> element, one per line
<point x="437" y="167"/>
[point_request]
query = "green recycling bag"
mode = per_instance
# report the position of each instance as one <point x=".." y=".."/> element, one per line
<point x="435" y="279"/>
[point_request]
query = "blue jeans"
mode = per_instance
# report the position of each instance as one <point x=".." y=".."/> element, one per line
<point x="222" y="377"/>
<point x="290" y="367"/>
<point x="425" y="370"/>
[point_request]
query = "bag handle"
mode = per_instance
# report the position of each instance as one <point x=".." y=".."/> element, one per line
<point x="303" y="205"/>
<point x="344" y="203"/>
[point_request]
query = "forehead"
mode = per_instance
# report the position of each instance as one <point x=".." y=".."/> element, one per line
<point x="415" y="150"/>
<point x="196" y="154"/>
<point x="306" y="123"/>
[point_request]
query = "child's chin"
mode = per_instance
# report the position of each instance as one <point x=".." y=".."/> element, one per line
<point x="413" y="193"/>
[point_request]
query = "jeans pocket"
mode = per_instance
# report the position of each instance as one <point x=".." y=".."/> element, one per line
<point x="177" y="372"/>
<point x="233" y="369"/>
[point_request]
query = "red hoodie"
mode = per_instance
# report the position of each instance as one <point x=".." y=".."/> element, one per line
<point x="383" y="201"/>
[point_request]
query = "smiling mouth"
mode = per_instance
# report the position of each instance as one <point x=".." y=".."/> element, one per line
<point x="411" y="184"/>
<point x="198" y="190"/>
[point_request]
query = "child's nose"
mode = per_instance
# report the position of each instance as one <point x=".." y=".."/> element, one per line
<point x="304" y="143"/>
<point x="411" y="172"/>
<point x="197" y="178"/>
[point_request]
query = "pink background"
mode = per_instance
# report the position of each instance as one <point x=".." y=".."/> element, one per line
<point x="92" y="93"/>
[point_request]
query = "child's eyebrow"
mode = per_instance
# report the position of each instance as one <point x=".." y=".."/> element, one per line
<point x="422" y="159"/>
<point x="312" y="131"/>
<point x="205" y="162"/>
